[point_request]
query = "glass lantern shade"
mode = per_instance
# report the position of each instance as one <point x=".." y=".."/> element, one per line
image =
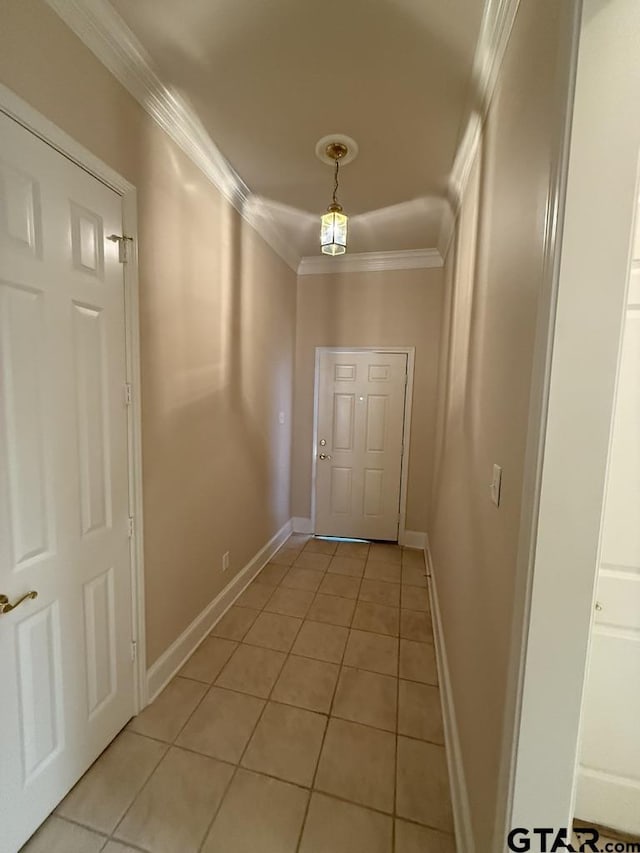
<point x="333" y="233"/>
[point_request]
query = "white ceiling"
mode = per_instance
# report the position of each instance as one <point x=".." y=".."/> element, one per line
<point x="268" y="78"/>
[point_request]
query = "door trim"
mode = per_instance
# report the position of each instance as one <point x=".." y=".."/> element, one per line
<point x="410" y="352"/>
<point x="32" y="120"/>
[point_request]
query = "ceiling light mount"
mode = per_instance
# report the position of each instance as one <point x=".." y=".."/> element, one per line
<point x="336" y="151"/>
<point x="333" y="142"/>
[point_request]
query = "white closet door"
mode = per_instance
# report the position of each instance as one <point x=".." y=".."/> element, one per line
<point x="67" y="679"/>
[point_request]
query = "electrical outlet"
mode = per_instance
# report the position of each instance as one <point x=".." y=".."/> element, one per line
<point x="496" y="485"/>
<point x="225" y="561"/>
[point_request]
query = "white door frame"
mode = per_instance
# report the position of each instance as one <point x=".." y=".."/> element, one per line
<point x="410" y="352"/>
<point x="19" y="110"/>
<point x="569" y="444"/>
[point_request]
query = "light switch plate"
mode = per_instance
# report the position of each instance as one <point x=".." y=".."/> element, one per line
<point x="496" y="485"/>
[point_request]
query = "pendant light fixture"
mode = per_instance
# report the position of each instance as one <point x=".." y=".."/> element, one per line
<point x="333" y="229"/>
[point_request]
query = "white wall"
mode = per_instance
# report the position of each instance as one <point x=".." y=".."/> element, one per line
<point x="497" y="300"/>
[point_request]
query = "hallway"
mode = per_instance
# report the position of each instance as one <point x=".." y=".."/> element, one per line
<point x="308" y="721"/>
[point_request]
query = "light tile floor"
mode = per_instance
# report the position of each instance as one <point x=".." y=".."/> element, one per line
<point x="308" y="722"/>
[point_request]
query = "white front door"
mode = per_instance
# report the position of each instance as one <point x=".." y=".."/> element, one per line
<point x="67" y="674"/>
<point x="359" y="435"/>
<point x="608" y="790"/>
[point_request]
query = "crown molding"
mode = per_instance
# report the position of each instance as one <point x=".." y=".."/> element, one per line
<point x="458" y="179"/>
<point x="409" y="259"/>
<point x="495" y="30"/>
<point x="105" y="33"/>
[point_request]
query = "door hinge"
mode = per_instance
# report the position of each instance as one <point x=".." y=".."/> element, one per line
<point x="124" y="242"/>
<point x="134" y="650"/>
<point x="132" y="529"/>
<point x="128" y="394"/>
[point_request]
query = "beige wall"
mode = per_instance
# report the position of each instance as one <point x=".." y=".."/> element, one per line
<point x="217" y="316"/>
<point x="400" y="308"/>
<point x="485" y="391"/>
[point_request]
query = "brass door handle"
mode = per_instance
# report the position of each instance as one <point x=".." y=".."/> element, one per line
<point x="324" y="456"/>
<point x="5" y="607"/>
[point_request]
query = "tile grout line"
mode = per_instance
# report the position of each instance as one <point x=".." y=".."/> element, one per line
<point x="173" y="744"/>
<point x="234" y="773"/>
<point x="357" y="599"/>
<point x="74" y="822"/>
<point x="290" y="704"/>
<point x="327" y="571"/>
<point x="301" y="708"/>
<point x="238" y="766"/>
<point x="338" y="797"/>
<point x="334" y="796"/>
<point x="319" y="622"/>
<point x="110" y="835"/>
<point x="324" y="734"/>
<point x="395" y="779"/>
<point x="361" y="579"/>
<point x="330" y="715"/>
<point x="168" y="745"/>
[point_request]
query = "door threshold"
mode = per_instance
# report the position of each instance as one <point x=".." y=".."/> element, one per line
<point x="341" y="539"/>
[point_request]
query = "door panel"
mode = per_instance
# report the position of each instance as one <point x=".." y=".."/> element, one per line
<point x="87" y="241"/>
<point x="64" y="505"/>
<point x="340" y="491"/>
<point x="373" y="493"/>
<point x="343" y="426"/>
<point x="89" y="357"/>
<point x="23" y="377"/>
<point x="99" y="620"/>
<point x="40" y="686"/>
<point x="20" y="219"/>
<point x="361" y="399"/>
<point x="376" y="423"/>
<point x="608" y="790"/>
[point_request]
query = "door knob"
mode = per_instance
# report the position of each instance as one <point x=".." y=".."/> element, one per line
<point x="324" y="456"/>
<point x="5" y="607"/>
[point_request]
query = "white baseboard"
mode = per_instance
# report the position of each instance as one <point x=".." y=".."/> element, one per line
<point x="459" y="797"/>
<point x="302" y="525"/>
<point x="413" y="539"/>
<point x="172" y="660"/>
